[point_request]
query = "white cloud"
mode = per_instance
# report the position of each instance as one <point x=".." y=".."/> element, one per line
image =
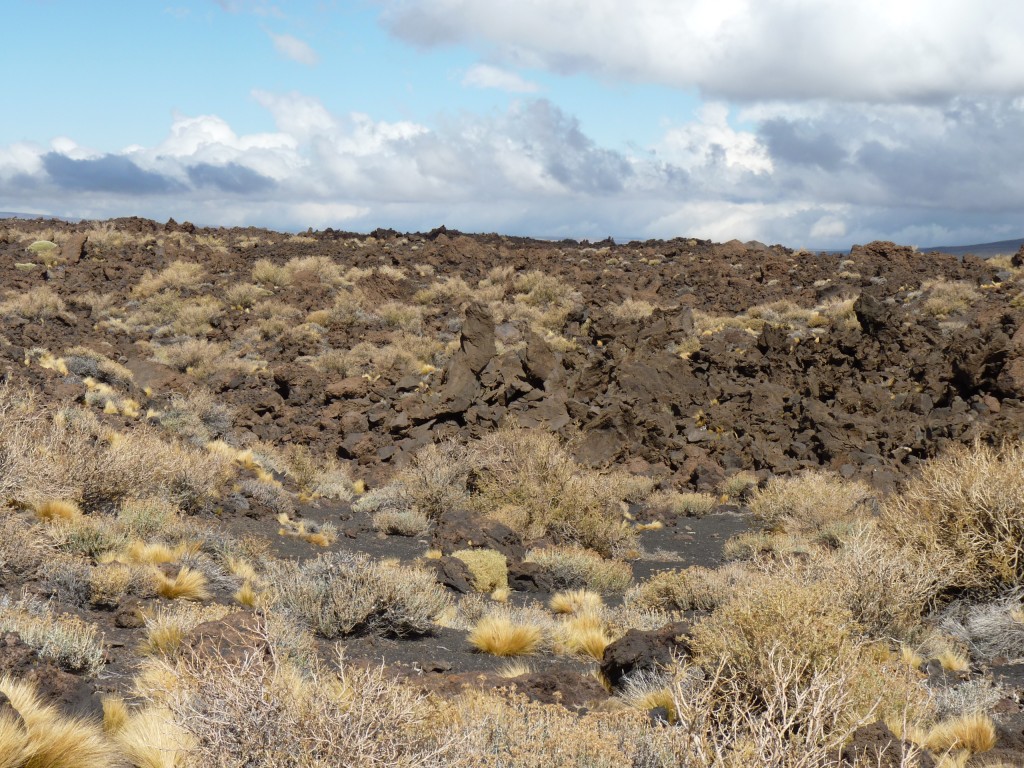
<point x="806" y="176"/>
<point x="869" y="50"/>
<point x="488" y="76"/>
<point x="711" y="140"/>
<point x="292" y="48"/>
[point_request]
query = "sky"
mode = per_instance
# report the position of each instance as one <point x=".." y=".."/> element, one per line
<point x="811" y="123"/>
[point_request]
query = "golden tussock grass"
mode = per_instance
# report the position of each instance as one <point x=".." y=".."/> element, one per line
<point x="115" y="713"/>
<point x="501" y="635"/>
<point x="51" y="740"/>
<point x="501" y="594"/>
<point x="246" y="595"/>
<point x="188" y="584"/>
<point x="576" y="601"/>
<point x="974" y="733"/>
<point x="58" y="509"/>
<point x="151" y="738"/>
<point x="954" y="661"/>
<point x="585" y="639"/>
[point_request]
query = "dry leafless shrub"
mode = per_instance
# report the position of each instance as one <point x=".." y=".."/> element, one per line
<point x="778" y="620"/>
<point x="262" y="712"/>
<point x="36" y="304"/>
<point x="178" y="276"/>
<point x="400" y="522"/>
<point x="342" y="594"/>
<point x="966" y="508"/>
<point x="202" y="358"/>
<point x="686" y="504"/>
<point x="815" y="504"/>
<point x="887" y="586"/>
<point x="244" y="295"/>
<point x="197" y="415"/>
<point x="528" y="480"/>
<point x="318" y="476"/>
<point x="989" y="629"/>
<point x="633" y="309"/>
<point x="689" y="589"/>
<point x="22" y="550"/>
<point x="72" y="456"/>
<point x="944" y="298"/>
<point x="513" y="732"/>
<point x="433" y="482"/>
<point x="804" y="714"/>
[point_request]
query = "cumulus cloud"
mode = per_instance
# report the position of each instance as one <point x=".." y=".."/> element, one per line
<point x="808" y="175"/>
<point x="292" y="48"/>
<point x="870" y="50"/>
<point x="488" y="76"/>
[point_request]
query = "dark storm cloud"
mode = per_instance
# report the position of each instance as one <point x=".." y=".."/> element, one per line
<point x="232" y="177"/>
<point x="800" y="144"/>
<point x="109" y="173"/>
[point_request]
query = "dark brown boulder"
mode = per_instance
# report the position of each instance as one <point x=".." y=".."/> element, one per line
<point x="461" y="529"/>
<point x="70" y="693"/>
<point x="645" y="650"/>
<point x="561" y="685"/>
<point x="453" y="573"/>
<point x="233" y="639"/>
<point x="875" y="744"/>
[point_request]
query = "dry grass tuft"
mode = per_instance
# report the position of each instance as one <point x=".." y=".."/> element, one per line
<point x="974" y="733"/>
<point x="57" y="509"/>
<point x="50" y="739"/>
<point x="188" y="584"/>
<point x="501" y="634"/>
<point x="576" y="601"/>
<point x="151" y="738"/>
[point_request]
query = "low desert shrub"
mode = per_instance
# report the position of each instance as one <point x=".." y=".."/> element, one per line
<point x="261" y="708"/>
<point x="67" y="639"/>
<point x="990" y="629"/>
<point x="433" y="482"/>
<point x="178" y="276"/>
<point x="576" y="568"/>
<point x="344" y="594"/>
<point x="777" y="626"/>
<point x="886" y="586"/>
<point x="815" y="504"/>
<point x="318" y="476"/>
<point x="966" y="508"/>
<point x="527" y="479"/>
<point x="85" y="362"/>
<point x="401" y="522"/>
<point x="693" y="588"/>
<point x="944" y="298"/>
<point x="685" y="504"/>
<point x="36" y="304"/>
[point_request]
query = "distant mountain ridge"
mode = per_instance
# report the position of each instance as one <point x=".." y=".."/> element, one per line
<point x="985" y="250"/>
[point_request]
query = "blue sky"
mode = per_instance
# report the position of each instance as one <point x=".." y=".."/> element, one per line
<point x="808" y="122"/>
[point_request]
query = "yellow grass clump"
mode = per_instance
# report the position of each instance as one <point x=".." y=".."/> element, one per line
<point x="49" y="739"/>
<point x="973" y="732"/>
<point x="501" y="635"/>
<point x="188" y="584"/>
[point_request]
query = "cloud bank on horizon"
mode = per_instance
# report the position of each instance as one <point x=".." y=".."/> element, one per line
<point x="806" y="122"/>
